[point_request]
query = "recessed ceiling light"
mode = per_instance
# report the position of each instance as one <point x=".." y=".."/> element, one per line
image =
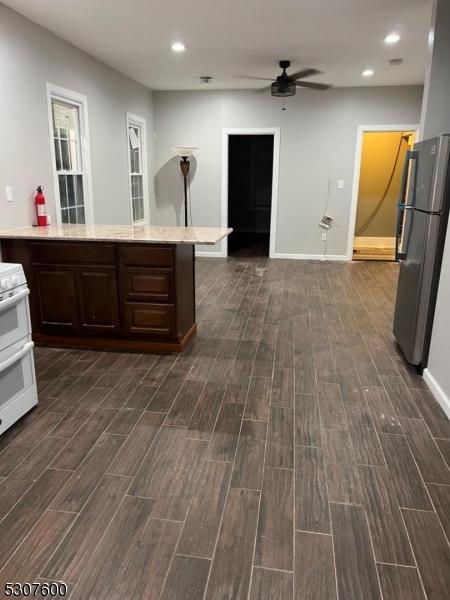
<point x="178" y="47"/>
<point x="368" y="72"/>
<point x="392" y="38"/>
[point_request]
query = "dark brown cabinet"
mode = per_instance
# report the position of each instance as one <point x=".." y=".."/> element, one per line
<point x="97" y="298"/>
<point x="148" y="284"/>
<point x="56" y="297"/>
<point x="129" y="296"/>
<point x="77" y="297"/>
<point x="147" y="255"/>
<point x="149" y="318"/>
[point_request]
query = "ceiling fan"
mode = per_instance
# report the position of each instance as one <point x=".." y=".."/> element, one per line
<point x="286" y="85"/>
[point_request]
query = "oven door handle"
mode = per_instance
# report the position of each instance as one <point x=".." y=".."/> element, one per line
<point x="17" y="356"/>
<point x="4" y="304"/>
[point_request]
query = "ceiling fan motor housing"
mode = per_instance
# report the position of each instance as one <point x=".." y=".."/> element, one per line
<point x="284" y="86"/>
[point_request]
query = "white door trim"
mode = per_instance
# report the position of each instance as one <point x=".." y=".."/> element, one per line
<point x="226" y="132"/>
<point x="142" y="122"/>
<point x="79" y="100"/>
<point x="356" y="173"/>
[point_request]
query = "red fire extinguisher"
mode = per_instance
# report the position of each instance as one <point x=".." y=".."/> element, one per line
<point x="39" y="201"/>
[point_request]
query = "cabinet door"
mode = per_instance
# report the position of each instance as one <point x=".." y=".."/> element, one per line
<point x="56" y="296"/>
<point x="97" y="298"/>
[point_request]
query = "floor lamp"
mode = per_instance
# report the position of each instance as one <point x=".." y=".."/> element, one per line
<point x="184" y="152"/>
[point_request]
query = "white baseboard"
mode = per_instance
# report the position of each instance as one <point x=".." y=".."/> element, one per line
<point x="439" y="394"/>
<point x="311" y="256"/>
<point x="210" y="254"/>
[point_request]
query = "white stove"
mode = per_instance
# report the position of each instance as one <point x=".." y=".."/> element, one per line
<point x="18" y="391"/>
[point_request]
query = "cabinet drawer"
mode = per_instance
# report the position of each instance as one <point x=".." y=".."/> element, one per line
<point x="148" y="284"/>
<point x="72" y="253"/>
<point x="144" y="317"/>
<point x="147" y="256"/>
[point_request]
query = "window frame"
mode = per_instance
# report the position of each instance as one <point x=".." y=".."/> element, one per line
<point x="130" y="121"/>
<point x="79" y="101"/>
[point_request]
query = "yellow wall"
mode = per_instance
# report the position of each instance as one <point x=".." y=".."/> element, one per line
<point x="377" y="160"/>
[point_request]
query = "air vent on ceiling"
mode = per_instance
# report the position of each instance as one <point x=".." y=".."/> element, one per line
<point x="395" y="62"/>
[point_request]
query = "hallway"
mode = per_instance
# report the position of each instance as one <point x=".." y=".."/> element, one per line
<point x="288" y="454"/>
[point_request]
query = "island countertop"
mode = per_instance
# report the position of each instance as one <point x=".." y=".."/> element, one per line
<point x="120" y="233"/>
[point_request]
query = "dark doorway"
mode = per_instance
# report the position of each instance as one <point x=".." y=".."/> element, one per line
<point x="250" y="167"/>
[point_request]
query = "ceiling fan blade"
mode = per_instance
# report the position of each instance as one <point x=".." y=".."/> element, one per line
<point x="304" y="73"/>
<point x="313" y="86"/>
<point x="253" y="77"/>
<point x="262" y="90"/>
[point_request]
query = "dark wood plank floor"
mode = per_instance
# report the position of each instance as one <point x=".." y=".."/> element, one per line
<point x="288" y="454"/>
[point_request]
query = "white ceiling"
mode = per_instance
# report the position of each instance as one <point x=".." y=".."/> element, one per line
<point x="228" y="37"/>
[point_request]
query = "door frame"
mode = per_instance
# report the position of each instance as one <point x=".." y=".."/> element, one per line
<point x="226" y="132"/>
<point x="361" y="130"/>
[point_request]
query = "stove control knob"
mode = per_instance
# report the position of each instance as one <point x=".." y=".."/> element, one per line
<point x="4" y="284"/>
<point x="15" y="280"/>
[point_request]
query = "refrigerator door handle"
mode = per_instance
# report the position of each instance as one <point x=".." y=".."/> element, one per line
<point x="411" y="155"/>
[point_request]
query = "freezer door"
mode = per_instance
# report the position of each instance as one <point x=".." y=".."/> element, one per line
<point x="432" y="163"/>
<point x="415" y="283"/>
<point x="405" y="202"/>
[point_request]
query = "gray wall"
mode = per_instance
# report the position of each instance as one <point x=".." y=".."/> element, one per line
<point x="30" y="56"/>
<point x="439" y="359"/>
<point x="318" y="138"/>
<point x="436" y="119"/>
<point x="436" y="98"/>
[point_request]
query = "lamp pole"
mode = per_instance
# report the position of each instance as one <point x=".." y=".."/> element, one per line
<point x="184" y="152"/>
<point x="185" y="165"/>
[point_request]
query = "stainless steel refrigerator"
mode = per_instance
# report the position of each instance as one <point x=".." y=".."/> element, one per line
<point x="421" y="227"/>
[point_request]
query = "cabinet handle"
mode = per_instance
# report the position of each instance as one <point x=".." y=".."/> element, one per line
<point x="17" y="356"/>
<point x="13" y="299"/>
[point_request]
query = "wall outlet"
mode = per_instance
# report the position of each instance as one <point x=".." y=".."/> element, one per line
<point x="9" y="194"/>
<point x="340" y="184"/>
<point x="324" y="236"/>
<point x="325" y="222"/>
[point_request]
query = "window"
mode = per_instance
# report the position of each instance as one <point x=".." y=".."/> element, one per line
<point x="68" y="125"/>
<point x="136" y="144"/>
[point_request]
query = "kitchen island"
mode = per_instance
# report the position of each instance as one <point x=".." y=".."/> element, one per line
<point x="110" y="287"/>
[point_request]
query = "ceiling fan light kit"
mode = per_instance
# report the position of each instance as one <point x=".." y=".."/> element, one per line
<point x="283" y="90"/>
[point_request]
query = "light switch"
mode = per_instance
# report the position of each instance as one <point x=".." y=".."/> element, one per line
<point x="9" y="194"/>
<point x="340" y="184"/>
